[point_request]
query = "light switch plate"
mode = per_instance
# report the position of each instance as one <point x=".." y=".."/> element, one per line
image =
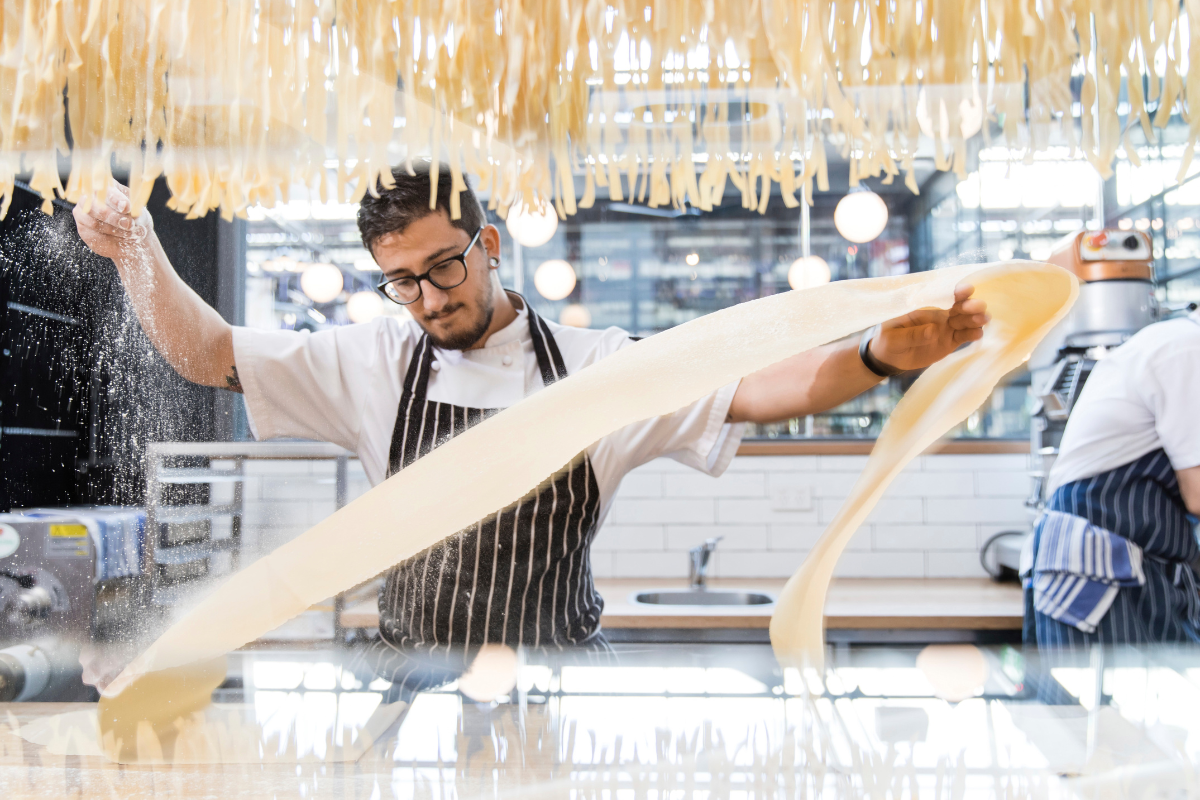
<point x="791" y="498"/>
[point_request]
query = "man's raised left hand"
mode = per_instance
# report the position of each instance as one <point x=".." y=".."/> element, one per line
<point x="925" y="337"/>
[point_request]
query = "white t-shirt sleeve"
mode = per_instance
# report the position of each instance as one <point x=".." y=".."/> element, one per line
<point x="696" y="435"/>
<point x="1170" y="386"/>
<point x="307" y="385"/>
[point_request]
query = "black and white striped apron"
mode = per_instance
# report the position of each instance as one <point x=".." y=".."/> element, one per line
<point x="1141" y="502"/>
<point x="520" y="577"/>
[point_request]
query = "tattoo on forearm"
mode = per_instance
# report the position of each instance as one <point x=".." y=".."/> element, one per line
<point x="235" y="383"/>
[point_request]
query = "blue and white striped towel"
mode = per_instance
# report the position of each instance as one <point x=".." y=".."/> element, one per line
<point x="1079" y="568"/>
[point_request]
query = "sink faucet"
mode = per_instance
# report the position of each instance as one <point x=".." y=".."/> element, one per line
<point x="698" y="563"/>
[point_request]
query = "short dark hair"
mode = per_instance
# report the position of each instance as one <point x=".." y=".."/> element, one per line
<point x="408" y="201"/>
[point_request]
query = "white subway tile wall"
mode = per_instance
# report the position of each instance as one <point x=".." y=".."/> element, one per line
<point x="285" y="498"/>
<point x="770" y="511"/>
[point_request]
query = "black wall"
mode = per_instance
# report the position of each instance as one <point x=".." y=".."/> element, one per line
<point x="82" y="390"/>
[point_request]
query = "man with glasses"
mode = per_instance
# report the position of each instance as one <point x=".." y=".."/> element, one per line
<point x="392" y="390"/>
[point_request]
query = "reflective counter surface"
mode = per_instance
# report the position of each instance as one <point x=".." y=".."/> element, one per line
<point x="659" y="721"/>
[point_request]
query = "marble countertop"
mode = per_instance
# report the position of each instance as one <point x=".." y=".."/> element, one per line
<point x="678" y="721"/>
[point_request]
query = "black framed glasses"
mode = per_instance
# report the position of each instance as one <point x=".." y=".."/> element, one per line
<point x="444" y="275"/>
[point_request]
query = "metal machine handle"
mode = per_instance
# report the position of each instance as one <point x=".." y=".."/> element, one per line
<point x="698" y="562"/>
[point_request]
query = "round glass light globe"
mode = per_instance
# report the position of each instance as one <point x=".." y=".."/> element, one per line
<point x="364" y="306"/>
<point x="806" y="273"/>
<point x="532" y="227"/>
<point x="321" y="283"/>
<point x="860" y="216"/>
<point x="576" y="315"/>
<point x="554" y="279"/>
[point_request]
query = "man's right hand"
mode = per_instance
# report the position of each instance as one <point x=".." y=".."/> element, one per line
<point x="103" y="663"/>
<point x="186" y="331"/>
<point x="109" y="229"/>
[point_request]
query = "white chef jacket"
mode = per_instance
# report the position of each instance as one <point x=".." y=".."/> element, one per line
<point x="1140" y="398"/>
<point x="343" y="385"/>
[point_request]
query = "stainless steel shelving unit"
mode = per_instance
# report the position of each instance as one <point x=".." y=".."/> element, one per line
<point x="158" y="475"/>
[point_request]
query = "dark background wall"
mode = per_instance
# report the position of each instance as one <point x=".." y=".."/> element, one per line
<point x="82" y="390"/>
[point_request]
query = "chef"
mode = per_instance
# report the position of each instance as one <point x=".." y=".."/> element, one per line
<point x="394" y="389"/>
<point x="1110" y="561"/>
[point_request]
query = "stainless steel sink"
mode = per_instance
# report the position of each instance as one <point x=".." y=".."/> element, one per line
<point x="703" y="597"/>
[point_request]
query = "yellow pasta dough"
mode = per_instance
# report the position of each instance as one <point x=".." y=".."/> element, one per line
<point x="237" y="102"/>
<point x="944" y="395"/>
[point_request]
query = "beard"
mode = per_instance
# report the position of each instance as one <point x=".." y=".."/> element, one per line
<point x="485" y="308"/>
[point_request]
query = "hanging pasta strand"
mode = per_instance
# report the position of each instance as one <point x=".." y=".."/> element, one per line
<point x="666" y="102"/>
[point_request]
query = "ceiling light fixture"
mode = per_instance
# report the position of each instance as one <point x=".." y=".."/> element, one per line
<point x="860" y="216"/>
<point x="807" y="272"/>
<point x="532" y="227"/>
<point x="576" y="315"/>
<point x="321" y="283"/>
<point x="554" y="279"/>
<point x="364" y="306"/>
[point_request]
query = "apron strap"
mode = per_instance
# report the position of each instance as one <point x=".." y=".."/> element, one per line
<point x="404" y="448"/>
<point x="549" y="357"/>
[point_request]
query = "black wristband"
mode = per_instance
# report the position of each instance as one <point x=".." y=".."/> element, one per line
<point x="868" y="358"/>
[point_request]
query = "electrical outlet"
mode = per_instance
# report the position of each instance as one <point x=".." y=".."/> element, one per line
<point x="792" y="498"/>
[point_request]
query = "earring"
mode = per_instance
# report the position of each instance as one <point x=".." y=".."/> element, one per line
<point x="495" y="262"/>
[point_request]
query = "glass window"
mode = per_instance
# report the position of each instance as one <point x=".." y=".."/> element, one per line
<point x="650" y="275"/>
<point x="1149" y="199"/>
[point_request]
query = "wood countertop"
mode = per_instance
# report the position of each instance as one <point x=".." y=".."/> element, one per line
<point x="863" y="447"/>
<point x="853" y="603"/>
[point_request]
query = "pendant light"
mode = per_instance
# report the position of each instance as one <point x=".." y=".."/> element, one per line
<point x="321" y="283"/>
<point x="807" y="272"/>
<point x="554" y="279"/>
<point x="576" y="315"/>
<point x="860" y="216"/>
<point x="532" y="227"/>
<point x="364" y="306"/>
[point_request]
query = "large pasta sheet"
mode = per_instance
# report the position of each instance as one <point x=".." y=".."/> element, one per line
<point x="1024" y="305"/>
<point x="502" y="459"/>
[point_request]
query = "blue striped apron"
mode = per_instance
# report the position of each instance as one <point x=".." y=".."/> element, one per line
<point x="1112" y="561"/>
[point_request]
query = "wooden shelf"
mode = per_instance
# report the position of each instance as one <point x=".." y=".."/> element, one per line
<point x="863" y="447"/>
<point x="853" y="603"/>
